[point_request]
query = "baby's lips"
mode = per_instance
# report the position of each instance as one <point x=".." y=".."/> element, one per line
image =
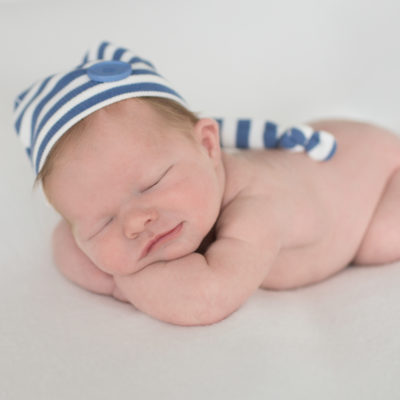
<point x="161" y="238"/>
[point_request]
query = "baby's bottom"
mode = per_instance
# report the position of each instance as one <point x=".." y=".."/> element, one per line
<point x="381" y="243"/>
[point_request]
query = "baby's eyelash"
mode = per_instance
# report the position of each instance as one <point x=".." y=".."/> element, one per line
<point x="152" y="185"/>
<point x="101" y="228"/>
<point x="158" y="180"/>
<point x="108" y="221"/>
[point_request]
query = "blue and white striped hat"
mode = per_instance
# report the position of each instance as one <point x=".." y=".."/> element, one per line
<point x="108" y="74"/>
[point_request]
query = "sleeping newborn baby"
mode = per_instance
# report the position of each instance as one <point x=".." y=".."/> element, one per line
<point x="156" y="214"/>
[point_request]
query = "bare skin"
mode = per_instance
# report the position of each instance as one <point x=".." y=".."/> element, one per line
<point x="280" y="220"/>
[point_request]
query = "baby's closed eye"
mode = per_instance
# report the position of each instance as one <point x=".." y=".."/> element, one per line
<point x="158" y="180"/>
<point x="102" y="227"/>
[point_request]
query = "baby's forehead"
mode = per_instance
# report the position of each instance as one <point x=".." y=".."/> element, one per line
<point x="127" y="131"/>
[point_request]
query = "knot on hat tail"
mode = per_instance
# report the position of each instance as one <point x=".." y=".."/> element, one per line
<point x="319" y="145"/>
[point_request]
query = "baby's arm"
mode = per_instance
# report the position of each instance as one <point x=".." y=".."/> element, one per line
<point x="77" y="267"/>
<point x="199" y="290"/>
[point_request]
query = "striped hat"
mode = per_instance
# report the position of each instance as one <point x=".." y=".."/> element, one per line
<point x="108" y="74"/>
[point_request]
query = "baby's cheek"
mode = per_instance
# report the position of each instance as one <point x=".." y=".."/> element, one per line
<point x="110" y="257"/>
<point x="204" y="204"/>
<point x="207" y="195"/>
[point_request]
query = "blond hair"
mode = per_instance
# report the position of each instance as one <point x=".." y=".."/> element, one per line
<point x="170" y="110"/>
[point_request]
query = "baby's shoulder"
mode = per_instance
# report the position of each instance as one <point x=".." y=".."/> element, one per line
<point x="263" y="172"/>
<point x="268" y="191"/>
<point x="252" y="195"/>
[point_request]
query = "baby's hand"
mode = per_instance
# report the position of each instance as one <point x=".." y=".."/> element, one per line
<point x="78" y="268"/>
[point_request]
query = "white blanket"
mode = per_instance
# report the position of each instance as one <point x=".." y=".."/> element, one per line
<point x="289" y="61"/>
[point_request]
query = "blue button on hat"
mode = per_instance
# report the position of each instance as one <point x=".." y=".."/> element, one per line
<point x="108" y="74"/>
<point x="109" y="71"/>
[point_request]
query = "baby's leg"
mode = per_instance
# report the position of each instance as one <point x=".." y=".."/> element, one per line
<point x="381" y="243"/>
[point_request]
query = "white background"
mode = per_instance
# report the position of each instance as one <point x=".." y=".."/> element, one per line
<point x="286" y="60"/>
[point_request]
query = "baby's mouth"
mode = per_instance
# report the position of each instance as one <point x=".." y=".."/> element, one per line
<point x="160" y="239"/>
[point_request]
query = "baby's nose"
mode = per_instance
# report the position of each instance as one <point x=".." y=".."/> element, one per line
<point x="135" y="221"/>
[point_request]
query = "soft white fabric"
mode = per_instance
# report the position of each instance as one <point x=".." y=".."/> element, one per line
<point x="286" y="60"/>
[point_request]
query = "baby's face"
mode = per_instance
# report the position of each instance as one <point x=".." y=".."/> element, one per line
<point x="136" y="190"/>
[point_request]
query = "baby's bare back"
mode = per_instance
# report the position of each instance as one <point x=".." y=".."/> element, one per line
<point x="334" y="201"/>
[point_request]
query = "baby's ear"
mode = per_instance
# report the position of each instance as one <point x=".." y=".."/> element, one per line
<point x="206" y="131"/>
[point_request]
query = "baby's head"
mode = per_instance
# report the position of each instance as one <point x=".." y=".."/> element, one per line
<point x="139" y="180"/>
<point x="127" y="174"/>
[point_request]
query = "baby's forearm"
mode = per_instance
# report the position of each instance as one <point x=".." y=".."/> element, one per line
<point x="179" y="291"/>
<point x="77" y="267"/>
<point x="197" y="289"/>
